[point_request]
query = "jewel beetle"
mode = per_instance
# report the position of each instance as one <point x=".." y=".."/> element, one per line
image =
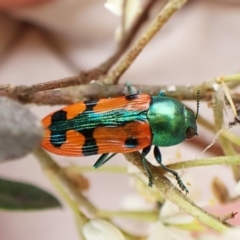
<point x="120" y="125"/>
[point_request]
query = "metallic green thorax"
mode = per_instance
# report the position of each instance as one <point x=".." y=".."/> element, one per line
<point x="170" y="121"/>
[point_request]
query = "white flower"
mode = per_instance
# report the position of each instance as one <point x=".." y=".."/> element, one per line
<point x="168" y="233"/>
<point x="133" y="202"/>
<point x="171" y="214"/>
<point x="132" y="9"/>
<point x="231" y="234"/>
<point x="101" y="230"/>
<point x="175" y="224"/>
<point x="114" y="6"/>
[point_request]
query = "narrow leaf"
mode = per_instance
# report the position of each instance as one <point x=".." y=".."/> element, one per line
<point x="24" y="196"/>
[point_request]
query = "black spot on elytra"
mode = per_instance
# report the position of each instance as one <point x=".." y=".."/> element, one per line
<point x="131" y="143"/>
<point x="90" y="145"/>
<point x="132" y="96"/>
<point x="57" y="138"/>
<point x="60" y="115"/>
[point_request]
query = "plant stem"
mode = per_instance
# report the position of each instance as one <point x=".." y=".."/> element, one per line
<point x="172" y="194"/>
<point x="230" y="160"/>
<point x="169" y="9"/>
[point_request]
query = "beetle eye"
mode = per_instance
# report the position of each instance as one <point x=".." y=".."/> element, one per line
<point x="190" y="133"/>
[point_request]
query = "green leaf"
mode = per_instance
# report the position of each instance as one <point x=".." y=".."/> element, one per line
<point x="23" y="196"/>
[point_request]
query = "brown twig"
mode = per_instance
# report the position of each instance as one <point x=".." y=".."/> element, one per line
<point x="201" y="144"/>
<point x="93" y="74"/>
<point x="96" y="91"/>
<point x="128" y="37"/>
<point x="15" y="37"/>
<point x="174" y="195"/>
<point x="169" y="9"/>
<point x="99" y="72"/>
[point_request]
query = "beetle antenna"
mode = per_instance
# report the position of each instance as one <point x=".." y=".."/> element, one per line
<point x="198" y="103"/>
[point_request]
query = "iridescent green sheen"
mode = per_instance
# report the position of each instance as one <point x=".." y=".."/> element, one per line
<point x="91" y="120"/>
<point x="170" y="121"/>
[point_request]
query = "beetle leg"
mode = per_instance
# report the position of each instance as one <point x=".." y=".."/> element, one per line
<point x="158" y="157"/>
<point x="130" y="89"/>
<point x="145" y="151"/>
<point x="103" y="159"/>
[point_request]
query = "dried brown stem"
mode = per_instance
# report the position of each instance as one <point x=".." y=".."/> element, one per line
<point x="174" y="195"/>
<point x="96" y="91"/>
<point x="169" y="9"/>
<point x="93" y="74"/>
<point x="201" y="144"/>
<point x="127" y="39"/>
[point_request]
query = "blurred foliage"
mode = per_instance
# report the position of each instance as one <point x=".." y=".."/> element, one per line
<point x="23" y="196"/>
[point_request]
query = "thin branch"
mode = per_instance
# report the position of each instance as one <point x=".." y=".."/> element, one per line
<point x="95" y="91"/>
<point x="58" y="178"/>
<point x="54" y="84"/>
<point x="55" y="172"/>
<point x="227" y="146"/>
<point x="98" y="90"/>
<point x="124" y="14"/>
<point x="127" y="38"/>
<point x="227" y="160"/>
<point x="93" y="74"/>
<point x="172" y="194"/>
<point x="169" y="9"/>
<point x="201" y="144"/>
